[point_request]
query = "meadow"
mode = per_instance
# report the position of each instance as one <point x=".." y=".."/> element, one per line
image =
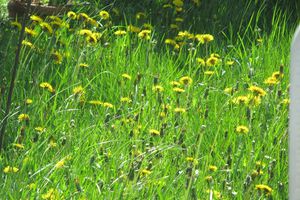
<point x="147" y="104"/>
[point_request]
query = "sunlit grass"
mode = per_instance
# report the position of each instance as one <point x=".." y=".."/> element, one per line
<point x="103" y="110"/>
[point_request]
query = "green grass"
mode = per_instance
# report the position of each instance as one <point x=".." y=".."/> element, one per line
<point x="106" y="153"/>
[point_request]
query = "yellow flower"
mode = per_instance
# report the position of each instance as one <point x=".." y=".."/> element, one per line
<point x="39" y="129"/>
<point x="83" y="65"/>
<point x="120" y="32"/>
<point x="28" y="101"/>
<point x="93" y="22"/>
<point x="145" y="172"/>
<point x="264" y="188"/>
<point x="191" y="160"/>
<point x="209" y="73"/>
<point x="51" y="194"/>
<point x="9" y="169"/>
<point x="257" y="91"/>
<point x="186" y="80"/>
<point x="104" y="15"/>
<point x="154" y="132"/>
<point x="83" y="16"/>
<point x="30" y="32"/>
<point x="56" y="18"/>
<point x="78" y="90"/>
<point x="271" y="81"/>
<point x="19" y="146"/>
<point x="140" y="15"/>
<point x="57" y="57"/>
<point x="175" y="83"/>
<point x="125" y="100"/>
<point x="108" y="105"/>
<point x="92" y="38"/>
<point x="95" y="102"/>
<point x="185" y="34"/>
<point x="47" y="86"/>
<point x="85" y="32"/>
<point x="242" y="129"/>
<point x="212" y="61"/>
<point x="170" y="41"/>
<point x="36" y="18"/>
<point x="212" y="168"/>
<point x="179" y="110"/>
<point x="23" y="117"/>
<point x="144" y="34"/>
<point x="157" y="88"/>
<point x="200" y="61"/>
<point x="240" y="100"/>
<point x="60" y="164"/>
<point x="230" y="62"/>
<point x="204" y="38"/>
<point x="178" y="3"/>
<point x="126" y="76"/>
<point x="285" y="101"/>
<point x="178" y="90"/>
<point x="277" y="75"/>
<point x="47" y="27"/>
<point x="133" y="29"/>
<point x="28" y="44"/>
<point x="228" y="90"/>
<point x="16" y="24"/>
<point x="72" y="15"/>
<point x="32" y="186"/>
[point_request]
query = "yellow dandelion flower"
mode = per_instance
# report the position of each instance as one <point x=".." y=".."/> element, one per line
<point x="170" y="42"/>
<point x="125" y="100"/>
<point x="277" y="75"/>
<point x="19" y="146"/>
<point x="157" y="88"/>
<point x="212" y="168"/>
<point x="28" y="101"/>
<point x="83" y="65"/>
<point x="179" y="110"/>
<point x="9" y="169"/>
<point x="51" y="194"/>
<point x="257" y="91"/>
<point x="271" y="81"/>
<point x="91" y="39"/>
<point x="162" y="114"/>
<point x="145" y="172"/>
<point x="144" y="34"/>
<point x="57" y="57"/>
<point x="30" y="32"/>
<point x="85" y="32"/>
<point x="208" y="178"/>
<point x="126" y="76"/>
<point x="93" y="22"/>
<point x="175" y="83"/>
<point x="240" y="100"/>
<point x="186" y="80"/>
<point x="108" y="105"/>
<point x="264" y="188"/>
<point x="209" y="73"/>
<point x="154" y="132"/>
<point x="120" y="32"/>
<point x="55" y="18"/>
<point x="104" y="15"/>
<point x="212" y="61"/>
<point x="95" y="102"/>
<point x="28" y="44"/>
<point x="286" y="101"/>
<point x="242" y="129"/>
<point x="191" y="160"/>
<point x="60" y="164"/>
<point x="185" y="34"/>
<point x="45" y="26"/>
<point x="72" y="15"/>
<point x="39" y="129"/>
<point x="207" y="38"/>
<point x="178" y="90"/>
<point x="83" y="16"/>
<point x="36" y="18"/>
<point x="47" y="86"/>
<point x="23" y="117"/>
<point x="133" y="29"/>
<point x="254" y="100"/>
<point x="200" y="61"/>
<point x="140" y="15"/>
<point x="16" y="24"/>
<point x="228" y="90"/>
<point x="178" y="3"/>
<point x="229" y="62"/>
<point x="78" y="90"/>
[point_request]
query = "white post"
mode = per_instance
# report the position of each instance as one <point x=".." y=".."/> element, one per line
<point x="294" y="123"/>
